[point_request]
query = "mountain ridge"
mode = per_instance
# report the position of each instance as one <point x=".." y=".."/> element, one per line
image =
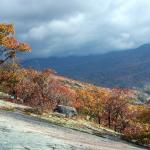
<point x="128" y="68"/>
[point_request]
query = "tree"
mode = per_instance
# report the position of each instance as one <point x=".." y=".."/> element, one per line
<point x="90" y="101"/>
<point x="60" y="94"/>
<point x="9" y="45"/>
<point x="9" y="79"/>
<point x="116" y="109"/>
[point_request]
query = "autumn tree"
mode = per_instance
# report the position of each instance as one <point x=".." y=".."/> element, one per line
<point x="40" y="90"/>
<point x="9" y="79"/>
<point x="43" y="83"/>
<point x="61" y="94"/>
<point x="9" y="45"/>
<point x="90" y="102"/>
<point x="116" y="109"/>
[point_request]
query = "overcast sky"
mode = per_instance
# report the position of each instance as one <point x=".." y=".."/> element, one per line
<point x="78" y="27"/>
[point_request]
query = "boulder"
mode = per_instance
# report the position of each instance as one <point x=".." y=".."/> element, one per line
<point x="66" y="110"/>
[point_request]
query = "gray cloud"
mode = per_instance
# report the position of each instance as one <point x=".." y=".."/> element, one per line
<point x="78" y="27"/>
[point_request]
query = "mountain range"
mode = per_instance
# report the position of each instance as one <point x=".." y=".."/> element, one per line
<point x="126" y="68"/>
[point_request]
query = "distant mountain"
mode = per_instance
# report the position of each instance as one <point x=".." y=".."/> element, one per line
<point x="129" y="68"/>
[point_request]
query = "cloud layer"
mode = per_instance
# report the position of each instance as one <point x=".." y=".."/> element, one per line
<point x="78" y="27"/>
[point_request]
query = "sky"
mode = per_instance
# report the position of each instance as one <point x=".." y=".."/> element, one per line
<point x="78" y="27"/>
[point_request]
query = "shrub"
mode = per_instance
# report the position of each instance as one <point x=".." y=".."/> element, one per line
<point x="138" y="132"/>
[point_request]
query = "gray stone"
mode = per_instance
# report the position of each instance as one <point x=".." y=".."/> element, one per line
<point x="68" y="111"/>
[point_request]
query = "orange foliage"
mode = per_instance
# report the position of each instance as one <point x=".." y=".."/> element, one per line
<point x="10" y="44"/>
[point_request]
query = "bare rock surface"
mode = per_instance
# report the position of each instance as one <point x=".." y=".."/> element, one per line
<point x="22" y="132"/>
